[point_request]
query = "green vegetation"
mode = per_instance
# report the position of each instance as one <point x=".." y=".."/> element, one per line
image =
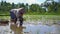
<point x="36" y="17"/>
<point x="53" y="8"/>
<point x="41" y="17"/>
<point x="45" y="19"/>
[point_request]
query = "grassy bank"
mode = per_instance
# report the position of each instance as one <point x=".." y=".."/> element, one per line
<point x="36" y="17"/>
<point x="40" y="17"/>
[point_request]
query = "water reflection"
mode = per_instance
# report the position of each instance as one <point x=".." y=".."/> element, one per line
<point x="30" y="29"/>
<point x="4" y="29"/>
<point x="42" y="29"/>
<point x="17" y="30"/>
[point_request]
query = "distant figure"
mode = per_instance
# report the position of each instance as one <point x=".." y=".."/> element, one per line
<point x="17" y="14"/>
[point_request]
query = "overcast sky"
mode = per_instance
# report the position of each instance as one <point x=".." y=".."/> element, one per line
<point x="25" y="1"/>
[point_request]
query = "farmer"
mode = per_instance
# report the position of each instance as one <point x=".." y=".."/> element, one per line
<point x="17" y="14"/>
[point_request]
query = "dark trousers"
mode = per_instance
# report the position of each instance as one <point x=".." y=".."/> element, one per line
<point x="21" y="20"/>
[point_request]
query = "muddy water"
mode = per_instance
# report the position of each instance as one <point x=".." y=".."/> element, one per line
<point x="33" y="27"/>
<point x="30" y="29"/>
<point x="41" y="29"/>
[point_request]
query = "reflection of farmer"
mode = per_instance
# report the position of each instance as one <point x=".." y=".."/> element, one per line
<point x="17" y="14"/>
<point x="17" y="30"/>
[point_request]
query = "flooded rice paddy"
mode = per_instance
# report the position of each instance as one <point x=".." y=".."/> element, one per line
<point x="34" y="25"/>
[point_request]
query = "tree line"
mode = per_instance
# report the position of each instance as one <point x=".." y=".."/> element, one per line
<point x="46" y="8"/>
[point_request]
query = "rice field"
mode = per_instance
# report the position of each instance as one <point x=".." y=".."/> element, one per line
<point x="36" y="18"/>
<point x="34" y="24"/>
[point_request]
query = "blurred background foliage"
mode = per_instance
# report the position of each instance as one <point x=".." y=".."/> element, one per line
<point x="46" y="8"/>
